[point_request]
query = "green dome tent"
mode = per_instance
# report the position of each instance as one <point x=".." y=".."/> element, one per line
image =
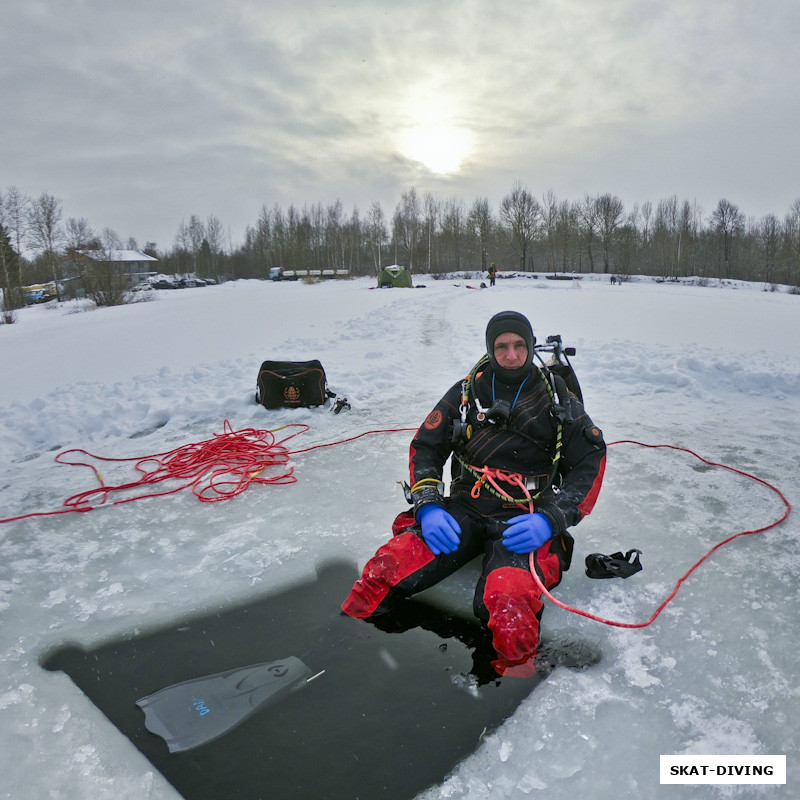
<point x="394" y="276"/>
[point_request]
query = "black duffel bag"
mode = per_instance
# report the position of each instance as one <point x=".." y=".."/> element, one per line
<point x="292" y="384"/>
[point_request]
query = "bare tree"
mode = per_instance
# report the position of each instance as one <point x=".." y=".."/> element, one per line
<point x="791" y="234"/>
<point x="627" y="242"/>
<point x="105" y="283"/>
<point x="646" y="231"/>
<point x="376" y="234"/>
<point x="550" y="219"/>
<point x="17" y="212"/>
<point x="46" y="233"/>
<point x="352" y="239"/>
<point x="728" y="223"/>
<point x="334" y="236"/>
<point x="196" y="234"/>
<point x="692" y="223"/>
<point x="293" y="238"/>
<point x="453" y="233"/>
<point x="407" y="224"/>
<point x="768" y="238"/>
<point x="667" y="236"/>
<point x="610" y="213"/>
<point x="568" y="232"/>
<point x="189" y="239"/>
<point x="590" y="223"/>
<point x="432" y="212"/>
<point x="479" y="221"/>
<point x="519" y="212"/>
<point x="269" y="240"/>
<point x="313" y="230"/>
<point x="79" y="235"/>
<point x="215" y="237"/>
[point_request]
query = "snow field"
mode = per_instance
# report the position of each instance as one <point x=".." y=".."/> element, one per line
<point x="716" y="370"/>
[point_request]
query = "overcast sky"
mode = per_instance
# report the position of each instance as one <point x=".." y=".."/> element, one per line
<point x="139" y="114"/>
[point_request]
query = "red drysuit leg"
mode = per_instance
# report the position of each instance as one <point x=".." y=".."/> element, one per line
<point x="513" y="602"/>
<point x="394" y="561"/>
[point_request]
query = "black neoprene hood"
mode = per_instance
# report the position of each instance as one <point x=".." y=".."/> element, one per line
<point x="509" y="322"/>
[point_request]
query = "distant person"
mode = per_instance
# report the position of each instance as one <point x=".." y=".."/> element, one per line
<point x="492" y="274"/>
<point x="516" y="493"/>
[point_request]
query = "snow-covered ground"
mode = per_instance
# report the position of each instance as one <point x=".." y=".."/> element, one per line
<point x="713" y="369"/>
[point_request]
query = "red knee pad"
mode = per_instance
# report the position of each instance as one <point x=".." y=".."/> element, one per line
<point x="400" y="557"/>
<point x="512" y="599"/>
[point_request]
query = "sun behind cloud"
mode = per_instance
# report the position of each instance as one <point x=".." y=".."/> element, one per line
<point x="440" y="147"/>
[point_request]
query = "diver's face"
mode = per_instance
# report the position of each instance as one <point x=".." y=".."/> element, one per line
<point x="510" y="351"/>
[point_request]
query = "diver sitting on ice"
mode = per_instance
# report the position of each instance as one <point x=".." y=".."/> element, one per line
<point x="530" y="464"/>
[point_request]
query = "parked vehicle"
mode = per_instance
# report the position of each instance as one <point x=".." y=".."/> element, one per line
<point x="280" y="274"/>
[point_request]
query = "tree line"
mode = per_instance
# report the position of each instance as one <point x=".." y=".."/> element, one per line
<point x="596" y="234"/>
<point x="427" y="234"/>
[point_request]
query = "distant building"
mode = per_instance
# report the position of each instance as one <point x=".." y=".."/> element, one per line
<point x="135" y="265"/>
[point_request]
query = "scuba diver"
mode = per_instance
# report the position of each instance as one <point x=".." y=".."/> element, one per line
<point x="528" y="464"/>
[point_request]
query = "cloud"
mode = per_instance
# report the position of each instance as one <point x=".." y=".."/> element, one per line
<point x="140" y="114"/>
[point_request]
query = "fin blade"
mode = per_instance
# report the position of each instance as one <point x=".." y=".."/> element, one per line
<point x="194" y="712"/>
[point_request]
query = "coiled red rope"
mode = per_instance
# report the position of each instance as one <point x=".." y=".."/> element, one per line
<point x="216" y="469"/>
<point x="682" y="579"/>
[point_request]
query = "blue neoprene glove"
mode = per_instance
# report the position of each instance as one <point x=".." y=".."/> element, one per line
<point x="527" y="532"/>
<point x="439" y="529"/>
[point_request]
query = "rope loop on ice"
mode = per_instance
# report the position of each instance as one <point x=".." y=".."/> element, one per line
<point x="668" y="599"/>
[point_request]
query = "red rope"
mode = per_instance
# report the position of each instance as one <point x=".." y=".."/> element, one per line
<point x="215" y="469"/>
<point x="353" y="438"/>
<point x="694" y="566"/>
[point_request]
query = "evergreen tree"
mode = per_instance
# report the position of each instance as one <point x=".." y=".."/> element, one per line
<point x="10" y="279"/>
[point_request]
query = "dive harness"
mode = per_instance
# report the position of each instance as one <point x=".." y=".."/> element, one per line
<point x="431" y="490"/>
<point x="499" y="413"/>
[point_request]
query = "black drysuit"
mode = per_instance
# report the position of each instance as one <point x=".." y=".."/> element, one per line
<point x="523" y="449"/>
